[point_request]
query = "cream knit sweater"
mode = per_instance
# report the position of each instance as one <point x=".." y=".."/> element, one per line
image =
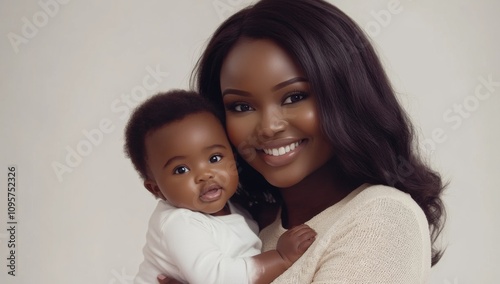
<point x="377" y="234"/>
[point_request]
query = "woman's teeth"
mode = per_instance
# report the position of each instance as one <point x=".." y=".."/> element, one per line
<point x="281" y="150"/>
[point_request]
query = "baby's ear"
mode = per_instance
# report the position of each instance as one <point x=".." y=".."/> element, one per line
<point x="152" y="187"/>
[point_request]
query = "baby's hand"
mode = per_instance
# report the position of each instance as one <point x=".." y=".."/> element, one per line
<point x="294" y="242"/>
<point x="162" y="279"/>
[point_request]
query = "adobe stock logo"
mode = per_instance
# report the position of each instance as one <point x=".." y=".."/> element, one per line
<point x="121" y="106"/>
<point x="459" y="112"/>
<point x="224" y="8"/>
<point x="447" y="281"/>
<point x="121" y="277"/>
<point x="31" y="27"/>
<point x="383" y="18"/>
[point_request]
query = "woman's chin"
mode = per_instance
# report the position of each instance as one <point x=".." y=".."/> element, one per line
<point x="282" y="181"/>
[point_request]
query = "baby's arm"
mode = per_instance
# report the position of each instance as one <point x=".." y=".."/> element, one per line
<point x="189" y="241"/>
<point x="291" y="245"/>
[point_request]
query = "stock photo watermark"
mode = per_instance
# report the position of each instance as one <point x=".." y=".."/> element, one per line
<point x="447" y="281"/>
<point x="121" y="277"/>
<point x="11" y="223"/>
<point x="94" y="137"/>
<point x="30" y="27"/>
<point x="225" y="8"/>
<point x="456" y="114"/>
<point x="382" y="18"/>
<point x="4" y="239"/>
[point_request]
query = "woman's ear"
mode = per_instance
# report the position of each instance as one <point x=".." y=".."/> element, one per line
<point x="152" y="187"/>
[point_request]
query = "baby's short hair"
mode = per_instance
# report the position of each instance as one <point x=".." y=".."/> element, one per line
<point x="157" y="111"/>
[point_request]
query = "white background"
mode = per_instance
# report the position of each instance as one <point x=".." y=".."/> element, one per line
<point x="68" y="69"/>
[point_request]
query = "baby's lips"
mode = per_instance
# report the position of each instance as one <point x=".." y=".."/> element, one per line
<point x="210" y="187"/>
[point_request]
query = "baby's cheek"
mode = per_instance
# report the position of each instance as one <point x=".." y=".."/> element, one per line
<point x="228" y="175"/>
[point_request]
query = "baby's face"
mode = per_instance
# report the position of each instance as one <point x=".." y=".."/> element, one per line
<point x="192" y="163"/>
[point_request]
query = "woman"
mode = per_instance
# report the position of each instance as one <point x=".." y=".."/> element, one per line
<point x="308" y="107"/>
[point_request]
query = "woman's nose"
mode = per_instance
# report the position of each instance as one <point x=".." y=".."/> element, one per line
<point x="272" y="122"/>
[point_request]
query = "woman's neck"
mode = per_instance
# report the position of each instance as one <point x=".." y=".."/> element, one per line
<point x="318" y="191"/>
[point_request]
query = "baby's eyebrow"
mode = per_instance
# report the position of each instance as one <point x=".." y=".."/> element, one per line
<point x="208" y="148"/>
<point x="173" y="159"/>
<point x="215" y="146"/>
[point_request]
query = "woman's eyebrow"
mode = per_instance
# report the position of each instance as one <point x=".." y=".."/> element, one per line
<point x="235" y="92"/>
<point x="275" y="88"/>
<point x="288" y="82"/>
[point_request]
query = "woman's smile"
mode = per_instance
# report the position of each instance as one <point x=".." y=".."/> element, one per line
<point x="277" y="156"/>
<point x="273" y="121"/>
<point x="280" y="150"/>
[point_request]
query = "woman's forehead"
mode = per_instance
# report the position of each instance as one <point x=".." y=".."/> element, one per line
<point x="261" y="60"/>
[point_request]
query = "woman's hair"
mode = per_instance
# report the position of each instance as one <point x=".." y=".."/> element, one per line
<point x="359" y="112"/>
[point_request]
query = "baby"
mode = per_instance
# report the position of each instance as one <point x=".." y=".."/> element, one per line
<point x="178" y="145"/>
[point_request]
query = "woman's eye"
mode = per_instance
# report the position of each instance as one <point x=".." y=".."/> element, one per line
<point x="215" y="158"/>
<point x="181" y="170"/>
<point x="295" y="97"/>
<point x="240" y="107"/>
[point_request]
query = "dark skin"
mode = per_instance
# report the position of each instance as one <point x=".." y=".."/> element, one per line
<point x="269" y="106"/>
<point x="294" y="200"/>
<point x="182" y="165"/>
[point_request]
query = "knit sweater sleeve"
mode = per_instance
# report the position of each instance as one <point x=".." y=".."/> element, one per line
<point x="385" y="240"/>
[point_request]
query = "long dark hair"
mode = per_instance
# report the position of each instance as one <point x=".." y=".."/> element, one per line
<point x="359" y="112"/>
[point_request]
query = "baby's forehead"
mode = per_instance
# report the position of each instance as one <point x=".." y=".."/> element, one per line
<point x="202" y="126"/>
<point x="202" y="117"/>
<point x="189" y="138"/>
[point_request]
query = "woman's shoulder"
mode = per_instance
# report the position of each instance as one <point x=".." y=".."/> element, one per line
<point x="372" y="207"/>
<point x="382" y="204"/>
<point x="383" y="194"/>
<point x="367" y="197"/>
<point x="379" y="224"/>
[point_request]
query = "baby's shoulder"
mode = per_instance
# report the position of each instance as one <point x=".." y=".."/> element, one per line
<point x="166" y="215"/>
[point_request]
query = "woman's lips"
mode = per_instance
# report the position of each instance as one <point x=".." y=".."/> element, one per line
<point x="280" y="151"/>
<point x="282" y="155"/>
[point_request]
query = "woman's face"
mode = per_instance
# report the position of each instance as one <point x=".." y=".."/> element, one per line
<point x="271" y="115"/>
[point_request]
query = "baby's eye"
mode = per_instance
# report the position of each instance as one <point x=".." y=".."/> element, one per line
<point x="295" y="97"/>
<point x="215" y="158"/>
<point x="181" y="170"/>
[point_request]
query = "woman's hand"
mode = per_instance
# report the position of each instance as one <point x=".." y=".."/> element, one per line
<point x="162" y="279"/>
